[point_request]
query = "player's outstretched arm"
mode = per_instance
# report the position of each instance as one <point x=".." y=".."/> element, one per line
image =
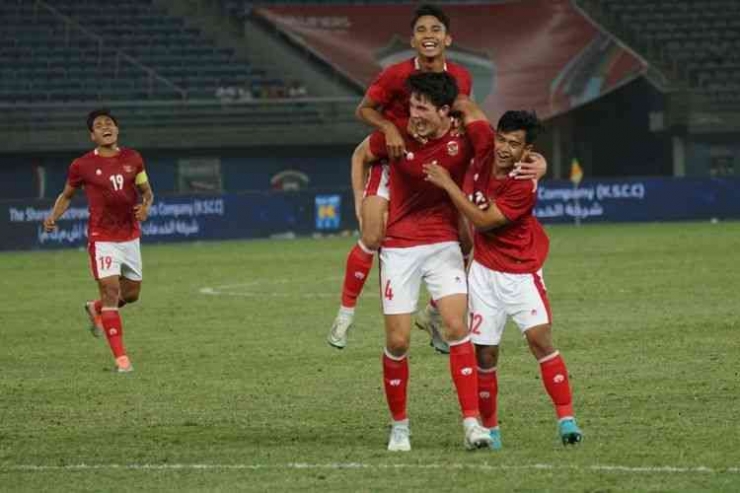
<point x="368" y="112"/>
<point x="482" y="218"/>
<point x="141" y="211"/>
<point x="60" y="207"/>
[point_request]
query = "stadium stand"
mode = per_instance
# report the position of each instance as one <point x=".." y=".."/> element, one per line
<point x="79" y="50"/>
<point x="699" y="39"/>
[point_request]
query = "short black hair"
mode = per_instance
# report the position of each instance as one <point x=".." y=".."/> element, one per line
<point x="511" y="121"/>
<point x="438" y="87"/>
<point x="434" y="11"/>
<point x="99" y="112"/>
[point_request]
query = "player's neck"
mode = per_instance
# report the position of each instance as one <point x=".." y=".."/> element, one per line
<point x="433" y="64"/>
<point x="500" y="173"/>
<point x="107" y="151"/>
<point x="443" y="129"/>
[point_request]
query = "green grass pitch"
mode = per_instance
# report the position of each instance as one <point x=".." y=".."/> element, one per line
<point x="236" y="389"/>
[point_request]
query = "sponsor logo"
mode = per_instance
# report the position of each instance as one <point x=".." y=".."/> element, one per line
<point x="457" y="279"/>
<point x="98" y="172"/>
<point x="559" y="378"/>
<point x="453" y="148"/>
<point x="410" y="156"/>
<point x="359" y="275"/>
<point x="112" y="332"/>
<point x="466" y="371"/>
<point x="395" y="382"/>
<point x="485" y="395"/>
<point x="533" y="312"/>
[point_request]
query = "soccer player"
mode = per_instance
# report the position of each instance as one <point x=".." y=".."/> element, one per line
<point x="113" y="178"/>
<point x="505" y="278"/>
<point x="421" y="243"/>
<point x="385" y="106"/>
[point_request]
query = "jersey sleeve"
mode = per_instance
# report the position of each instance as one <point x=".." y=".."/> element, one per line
<point x="141" y="176"/>
<point x="377" y="145"/>
<point x="74" y="176"/>
<point x="518" y="199"/>
<point x="465" y="82"/>
<point x="381" y="91"/>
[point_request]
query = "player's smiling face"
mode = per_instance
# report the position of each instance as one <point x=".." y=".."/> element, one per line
<point x="511" y="147"/>
<point x="104" y="131"/>
<point x="430" y="38"/>
<point x="426" y="119"/>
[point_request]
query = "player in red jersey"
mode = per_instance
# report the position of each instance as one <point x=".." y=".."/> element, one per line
<point x="505" y="278"/>
<point x="385" y="106"/>
<point x="113" y="178"/>
<point x="422" y="243"/>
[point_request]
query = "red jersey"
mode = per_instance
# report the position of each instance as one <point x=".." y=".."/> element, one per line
<point x="110" y="187"/>
<point x="421" y="213"/>
<point x="521" y="246"/>
<point x="389" y="87"/>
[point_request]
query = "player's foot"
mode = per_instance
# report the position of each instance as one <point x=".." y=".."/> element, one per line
<point x="96" y="323"/>
<point x="399" y="440"/>
<point x="123" y="365"/>
<point x="569" y="431"/>
<point x="338" y="334"/>
<point x="430" y="321"/>
<point x="496" y="439"/>
<point x="477" y="437"/>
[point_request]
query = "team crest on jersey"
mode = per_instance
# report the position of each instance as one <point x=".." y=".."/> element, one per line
<point x="98" y="172"/>
<point x="453" y="148"/>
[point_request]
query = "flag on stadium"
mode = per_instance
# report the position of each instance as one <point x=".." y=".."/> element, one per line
<point x="576" y="172"/>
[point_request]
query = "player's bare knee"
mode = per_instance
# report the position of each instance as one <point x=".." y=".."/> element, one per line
<point x="487" y="356"/>
<point x="371" y="239"/>
<point x="397" y="345"/>
<point x="455" y="330"/>
<point x="540" y="341"/>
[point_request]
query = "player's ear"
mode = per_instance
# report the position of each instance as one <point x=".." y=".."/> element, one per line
<point x="92" y="136"/>
<point x="448" y="40"/>
<point x="412" y="41"/>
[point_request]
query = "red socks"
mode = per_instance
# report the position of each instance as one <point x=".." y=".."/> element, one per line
<point x="555" y="379"/>
<point x="488" y="397"/>
<point x="395" y="381"/>
<point x="98" y="305"/>
<point x="464" y="370"/>
<point x="113" y="330"/>
<point x="359" y="263"/>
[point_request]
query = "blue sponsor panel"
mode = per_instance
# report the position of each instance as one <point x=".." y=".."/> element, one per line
<point x="180" y="218"/>
<point x="328" y="212"/>
<point x="648" y="199"/>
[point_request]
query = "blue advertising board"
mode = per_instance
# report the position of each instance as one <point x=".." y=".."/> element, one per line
<point x="259" y="215"/>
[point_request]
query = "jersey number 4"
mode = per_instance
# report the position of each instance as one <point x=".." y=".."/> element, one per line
<point x="117" y="181"/>
<point x="388" y="291"/>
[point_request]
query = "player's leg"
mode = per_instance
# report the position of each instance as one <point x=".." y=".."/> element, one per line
<point x="445" y="277"/>
<point x="400" y="279"/>
<point x="429" y="319"/>
<point x="531" y="312"/>
<point x="360" y="259"/>
<point x="487" y="319"/>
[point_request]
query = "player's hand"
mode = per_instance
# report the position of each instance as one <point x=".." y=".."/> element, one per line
<point x="437" y="175"/>
<point x="50" y="224"/>
<point x="533" y="167"/>
<point x="141" y="212"/>
<point x="394" y="143"/>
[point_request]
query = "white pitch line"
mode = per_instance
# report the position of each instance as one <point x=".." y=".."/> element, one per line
<point x="359" y="465"/>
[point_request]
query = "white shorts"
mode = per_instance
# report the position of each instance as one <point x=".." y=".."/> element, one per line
<point x="111" y="258"/>
<point x="379" y="181"/>
<point x="495" y="296"/>
<point x="440" y="265"/>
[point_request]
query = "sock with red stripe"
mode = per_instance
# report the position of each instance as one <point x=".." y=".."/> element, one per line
<point x="395" y="381"/>
<point x="464" y="370"/>
<point x="555" y="378"/>
<point x="359" y="263"/>
<point x="113" y="328"/>
<point x="488" y="396"/>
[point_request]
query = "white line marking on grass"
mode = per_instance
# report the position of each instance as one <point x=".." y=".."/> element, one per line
<point x="359" y="465"/>
<point x="280" y="288"/>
